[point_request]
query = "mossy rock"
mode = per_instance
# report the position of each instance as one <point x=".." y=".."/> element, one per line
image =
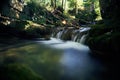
<point x="19" y="25"/>
<point x="67" y="34"/>
<point x="104" y="39"/>
<point x="106" y="44"/>
<point x="25" y="29"/>
<point x="17" y="72"/>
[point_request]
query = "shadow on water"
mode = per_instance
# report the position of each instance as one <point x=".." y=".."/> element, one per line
<point x="56" y="60"/>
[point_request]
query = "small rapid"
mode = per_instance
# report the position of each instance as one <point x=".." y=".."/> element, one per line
<point x="71" y="34"/>
<point x="60" y="44"/>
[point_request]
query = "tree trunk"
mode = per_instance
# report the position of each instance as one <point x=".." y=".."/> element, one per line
<point x="55" y="5"/>
<point x="52" y="3"/>
<point x="110" y="9"/>
<point x="76" y="7"/>
<point x="63" y="4"/>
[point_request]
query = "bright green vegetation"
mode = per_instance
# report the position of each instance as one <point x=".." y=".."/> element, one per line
<point x="51" y="12"/>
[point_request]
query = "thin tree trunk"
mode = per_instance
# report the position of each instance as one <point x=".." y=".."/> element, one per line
<point x="55" y="5"/>
<point x="76" y="7"/>
<point x="52" y="3"/>
<point x="65" y="5"/>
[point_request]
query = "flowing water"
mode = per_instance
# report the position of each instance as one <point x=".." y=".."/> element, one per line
<point x="76" y="35"/>
<point x="56" y="60"/>
<point x="75" y="61"/>
<point x="83" y="38"/>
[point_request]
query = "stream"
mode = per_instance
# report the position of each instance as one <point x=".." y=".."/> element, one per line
<point x="55" y="59"/>
<point x="75" y="61"/>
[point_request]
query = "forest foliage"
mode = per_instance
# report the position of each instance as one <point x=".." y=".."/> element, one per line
<point x="47" y="13"/>
<point x="42" y="11"/>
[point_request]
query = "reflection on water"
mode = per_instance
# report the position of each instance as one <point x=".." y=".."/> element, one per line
<point x="79" y="66"/>
<point x="56" y="60"/>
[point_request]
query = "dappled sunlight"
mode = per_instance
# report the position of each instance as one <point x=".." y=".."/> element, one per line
<point x="10" y="54"/>
<point x="64" y="22"/>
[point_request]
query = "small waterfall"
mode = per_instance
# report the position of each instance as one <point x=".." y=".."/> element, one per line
<point x="59" y="34"/>
<point x="74" y="39"/>
<point x="76" y="35"/>
<point x="83" y="38"/>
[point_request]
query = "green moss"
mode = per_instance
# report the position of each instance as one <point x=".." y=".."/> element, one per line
<point x="17" y="72"/>
<point x="104" y="41"/>
<point x="104" y="38"/>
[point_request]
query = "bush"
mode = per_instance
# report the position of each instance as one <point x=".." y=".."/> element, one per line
<point x="86" y="16"/>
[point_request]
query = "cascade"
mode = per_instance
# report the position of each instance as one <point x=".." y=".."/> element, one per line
<point x="59" y="34"/>
<point x="75" y="38"/>
<point x="83" y="38"/>
<point x="78" y="35"/>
